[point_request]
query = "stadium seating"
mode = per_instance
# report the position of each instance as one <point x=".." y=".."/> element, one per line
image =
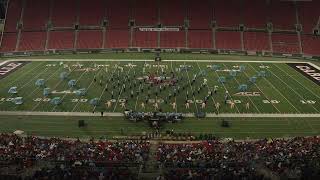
<point x="256" y="41"/>
<point x="172" y="13"/>
<point x="117" y="39"/>
<point x="145" y="12"/>
<point x="61" y="40"/>
<point x="13" y="15"/>
<point x="283" y="15"/>
<point x="9" y="41"/>
<point x="311" y="45"/>
<point x="309" y="15"/>
<point x="285" y="43"/>
<point x="228" y="40"/>
<point x="145" y="39"/>
<point x="32" y="41"/>
<point x="172" y="39"/>
<point x="118" y="14"/>
<point x="91" y="13"/>
<point x="200" y="15"/>
<point x="228" y="13"/>
<point x="64" y="13"/>
<point x="36" y="15"/>
<point x="255" y="14"/>
<point x="89" y="39"/>
<point x="200" y="39"/>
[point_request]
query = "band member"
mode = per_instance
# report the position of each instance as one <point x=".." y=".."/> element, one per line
<point x="123" y="105"/>
<point x="108" y="104"/>
<point x="174" y="105"/>
<point x="247" y="105"/>
<point x="156" y="106"/>
<point x="217" y="105"/>
<point x="215" y="89"/>
<point x="232" y="104"/>
<point x="205" y="81"/>
<point x="143" y="106"/>
<point x="203" y="105"/>
<point x="187" y="105"/>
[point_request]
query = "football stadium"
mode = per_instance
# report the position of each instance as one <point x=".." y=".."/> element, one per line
<point x="159" y="89"/>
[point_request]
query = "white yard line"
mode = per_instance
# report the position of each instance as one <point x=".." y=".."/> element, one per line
<point x="191" y="87"/>
<point x="115" y="106"/>
<point x="32" y="93"/>
<point x="292" y="89"/>
<point x="87" y="89"/>
<point x="263" y="93"/>
<point x="247" y="96"/>
<point x="84" y="72"/>
<point x="299" y="83"/>
<point x="277" y="90"/>
<point x="227" y="90"/>
<point x="214" y="102"/>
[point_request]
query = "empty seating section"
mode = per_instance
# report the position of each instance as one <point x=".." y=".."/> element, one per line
<point x="117" y="39"/>
<point x="32" y="41"/>
<point x="90" y="39"/>
<point x="311" y="45"/>
<point x="256" y="41"/>
<point x="118" y="14"/>
<point x="172" y="13"/>
<point x="285" y="43"/>
<point x="91" y="12"/>
<point x="61" y="40"/>
<point x="13" y="15"/>
<point x="228" y="13"/>
<point x="63" y="13"/>
<point x="200" y="14"/>
<point x="255" y="13"/>
<point x="145" y="12"/>
<point x="200" y="39"/>
<point x="228" y="40"/>
<point x="9" y="41"/>
<point x="309" y="15"/>
<point x="283" y="14"/>
<point x="36" y="14"/>
<point x="144" y="39"/>
<point x="172" y="39"/>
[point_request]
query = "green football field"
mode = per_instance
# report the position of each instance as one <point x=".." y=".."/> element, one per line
<point x="147" y="86"/>
<point x="280" y="89"/>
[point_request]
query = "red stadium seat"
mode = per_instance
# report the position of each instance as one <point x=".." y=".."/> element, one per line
<point x="36" y="15"/>
<point x="200" y="14"/>
<point x="283" y="15"/>
<point x="32" y="41"/>
<point x="256" y="41"/>
<point x="228" y="40"/>
<point x="89" y="39"/>
<point x="200" y="39"/>
<point x="227" y="13"/>
<point x="172" y="39"/>
<point x="311" y="44"/>
<point x="118" y="14"/>
<point x="309" y="15"/>
<point x="117" y="39"/>
<point x="255" y="14"/>
<point x="145" y="39"/>
<point x="172" y="13"/>
<point x="285" y="43"/>
<point x="91" y="13"/>
<point x="9" y="41"/>
<point x="64" y="13"/>
<point x="61" y="40"/>
<point x="13" y="15"/>
<point x="145" y="12"/>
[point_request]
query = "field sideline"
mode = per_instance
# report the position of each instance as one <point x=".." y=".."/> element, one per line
<point x="285" y="93"/>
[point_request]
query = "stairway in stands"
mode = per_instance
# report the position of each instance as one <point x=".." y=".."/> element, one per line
<point x="151" y="170"/>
